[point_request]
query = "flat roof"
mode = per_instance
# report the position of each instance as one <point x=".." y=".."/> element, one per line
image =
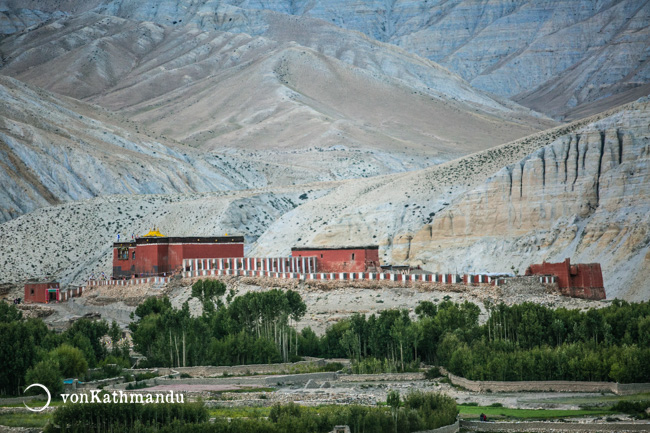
<point x="32" y="282"/>
<point x="182" y="240"/>
<point x="364" y="247"/>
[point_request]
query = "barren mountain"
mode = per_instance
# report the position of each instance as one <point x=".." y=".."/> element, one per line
<point x="55" y="149"/>
<point x="219" y="90"/>
<point x="565" y="58"/>
<point x="471" y="214"/>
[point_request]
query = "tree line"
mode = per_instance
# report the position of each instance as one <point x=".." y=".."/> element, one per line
<point x="253" y="328"/>
<point x="519" y="342"/>
<point x="30" y="353"/>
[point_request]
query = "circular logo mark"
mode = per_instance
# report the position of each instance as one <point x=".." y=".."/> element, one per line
<point x="49" y="397"/>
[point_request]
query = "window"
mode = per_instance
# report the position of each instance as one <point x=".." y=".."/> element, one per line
<point x="321" y="256"/>
<point x="352" y="256"/>
<point x="133" y="257"/>
<point x="31" y="292"/>
<point x="123" y="253"/>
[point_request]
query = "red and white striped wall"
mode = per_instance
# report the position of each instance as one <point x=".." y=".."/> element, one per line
<point x="303" y="268"/>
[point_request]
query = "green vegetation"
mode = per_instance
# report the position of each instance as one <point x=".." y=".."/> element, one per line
<point x="30" y="419"/>
<point x="251" y="329"/>
<point x="520" y="342"/>
<point x="30" y="353"/>
<point x="471" y="411"/>
<point x="125" y="417"/>
<point x="418" y="411"/>
<point x="594" y="400"/>
<point x="635" y="408"/>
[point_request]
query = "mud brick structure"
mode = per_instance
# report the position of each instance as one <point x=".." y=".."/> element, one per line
<point x="42" y="292"/>
<point x="342" y="259"/>
<point x="584" y="280"/>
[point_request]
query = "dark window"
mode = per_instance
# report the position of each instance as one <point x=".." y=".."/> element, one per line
<point x="31" y="292"/>
<point x="133" y="257"/>
<point x="123" y="253"/>
<point x="352" y="256"/>
<point x="321" y="256"/>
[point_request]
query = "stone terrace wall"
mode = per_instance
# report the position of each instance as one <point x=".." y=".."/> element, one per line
<point x="453" y="428"/>
<point x="300" y="378"/>
<point x="550" y="385"/>
<point x="391" y="377"/>
<point x="210" y="371"/>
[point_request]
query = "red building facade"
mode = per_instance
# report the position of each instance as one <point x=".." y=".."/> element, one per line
<point x="346" y="259"/>
<point x="578" y="281"/>
<point x="159" y="255"/>
<point x="42" y="292"/>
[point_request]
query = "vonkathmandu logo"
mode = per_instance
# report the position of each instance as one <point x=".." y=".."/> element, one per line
<point x="122" y="397"/>
<point x="115" y="397"/>
<point x="49" y="397"/>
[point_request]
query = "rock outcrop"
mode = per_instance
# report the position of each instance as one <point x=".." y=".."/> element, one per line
<point x="548" y="196"/>
<point x="584" y="196"/>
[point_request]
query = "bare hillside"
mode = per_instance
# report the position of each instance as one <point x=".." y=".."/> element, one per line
<point x="219" y="90"/>
<point x="579" y="191"/>
<point x="565" y="58"/>
<point x="54" y="149"/>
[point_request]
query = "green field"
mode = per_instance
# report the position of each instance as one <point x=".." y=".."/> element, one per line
<point x="595" y="400"/>
<point x="502" y="412"/>
<point x="25" y="419"/>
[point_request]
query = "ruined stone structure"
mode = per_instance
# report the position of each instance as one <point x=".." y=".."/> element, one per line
<point x="578" y="281"/>
<point x="157" y="255"/>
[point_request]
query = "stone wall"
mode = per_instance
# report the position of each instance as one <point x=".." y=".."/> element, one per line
<point x="211" y="371"/>
<point x="393" y="377"/>
<point x="453" y="428"/>
<point x="300" y="378"/>
<point x="550" y="385"/>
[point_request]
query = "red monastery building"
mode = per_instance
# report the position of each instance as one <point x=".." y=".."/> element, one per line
<point x="579" y="281"/>
<point x="42" y="292"/>
<point x="345" y="259"/>
<point x="155" y="254"/>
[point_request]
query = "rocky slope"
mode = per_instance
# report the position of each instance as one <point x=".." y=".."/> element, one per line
<point x="14" y="20"/>
<point x="233" y="91"/>
<point x="566" y="58"/>
<point x="54" y="150"/>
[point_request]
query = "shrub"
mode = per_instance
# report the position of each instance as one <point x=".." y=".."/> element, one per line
<point x="70" y="360"/>
<point x="432" y="373"/>
<point x="46" y="373"/>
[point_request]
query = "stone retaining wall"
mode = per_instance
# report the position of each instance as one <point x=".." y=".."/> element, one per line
<point x="300" y="378"/>
<point x="453" y="428"/>
<point x="549" y="385"/>
<point x="210" y="371"/>
<point x="392" y="377"/>
<point x="558" y="427"/>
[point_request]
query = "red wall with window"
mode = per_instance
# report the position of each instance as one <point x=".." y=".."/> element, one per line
<point x="349" y="259"/>
<point x="155" y="256"/>
<point x="38" y="292"/>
